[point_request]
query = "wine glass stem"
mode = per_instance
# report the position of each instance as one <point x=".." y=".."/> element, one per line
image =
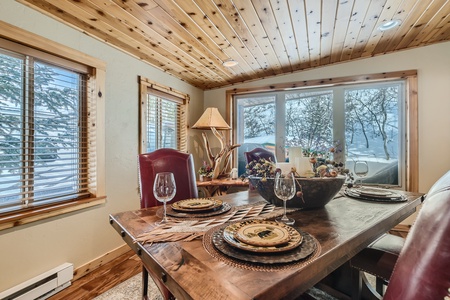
<point x="164" y="219"/>
<point x="284" y="215"/>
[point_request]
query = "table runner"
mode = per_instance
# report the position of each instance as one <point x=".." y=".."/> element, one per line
<point x="185" y="229"/>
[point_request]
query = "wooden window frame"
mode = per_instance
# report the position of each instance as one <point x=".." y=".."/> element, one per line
<point x="412" y="116"/>
<point x="147" y="86"/>
<point x="97" y="81"/>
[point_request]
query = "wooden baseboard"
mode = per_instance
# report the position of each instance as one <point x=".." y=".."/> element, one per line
<point x="100" y="275"/>
<point x="99" y="261"/>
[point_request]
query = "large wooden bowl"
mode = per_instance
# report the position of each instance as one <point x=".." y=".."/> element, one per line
<point x="317" y="192"/>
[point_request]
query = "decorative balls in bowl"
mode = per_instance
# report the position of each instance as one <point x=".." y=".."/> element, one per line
<point x="316" y="192"/>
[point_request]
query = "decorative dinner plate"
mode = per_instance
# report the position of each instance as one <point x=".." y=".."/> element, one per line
<point x="197" y="205"/>
<point x="303" y="251"/>
<point x="230" y="231"/>
<point x="264" y="233"/>
<point x="374" y="194"/>
<point x="225" y="207"/>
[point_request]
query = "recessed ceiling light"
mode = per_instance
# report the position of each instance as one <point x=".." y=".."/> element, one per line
<point x="389" y="25"/>
<point x="230" y="63"/>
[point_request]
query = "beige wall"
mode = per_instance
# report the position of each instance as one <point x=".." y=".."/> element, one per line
<point x="433" y="66"/>
<point x="80" y="237"/>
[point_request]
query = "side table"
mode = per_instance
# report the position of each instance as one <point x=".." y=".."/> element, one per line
<point x="217" y="186"/>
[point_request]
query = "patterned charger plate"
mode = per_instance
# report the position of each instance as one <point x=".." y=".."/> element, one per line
<point x="229" y="233"/>
<point x="373" y="194"/>
<point x="300" y="253"/>
<point x="264" y="233"/>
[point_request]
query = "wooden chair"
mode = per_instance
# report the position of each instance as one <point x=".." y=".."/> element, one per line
<point x="378" y="259"/>
<point x="182" y="166"/>
<point x="421" y="269"/>
<point x="259" y="153"/>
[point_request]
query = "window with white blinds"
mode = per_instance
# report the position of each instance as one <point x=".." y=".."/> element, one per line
<point x="163" y="118"/>
<point x="47" y="135"/>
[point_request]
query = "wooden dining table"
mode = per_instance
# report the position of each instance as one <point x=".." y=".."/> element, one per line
<point x="341" y="229"/>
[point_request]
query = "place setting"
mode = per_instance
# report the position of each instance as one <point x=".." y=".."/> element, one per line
<point x="197" y="208"/>
<point x="260" y="244"/>
<point x="263" y="244"/>
<point x="374" y="194"/>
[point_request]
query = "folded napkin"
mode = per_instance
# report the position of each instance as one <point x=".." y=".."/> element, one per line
<point x="188" y="230"/>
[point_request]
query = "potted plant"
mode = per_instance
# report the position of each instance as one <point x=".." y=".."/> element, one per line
<point x="205" y="172"/>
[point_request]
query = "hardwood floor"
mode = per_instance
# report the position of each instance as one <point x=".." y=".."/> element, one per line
<point x="102" y="279"/>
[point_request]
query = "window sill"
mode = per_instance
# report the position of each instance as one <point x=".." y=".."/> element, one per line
<point x="40" y="213"/>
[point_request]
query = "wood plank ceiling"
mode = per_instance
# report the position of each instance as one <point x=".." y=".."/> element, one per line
<point x="190" y="39"/>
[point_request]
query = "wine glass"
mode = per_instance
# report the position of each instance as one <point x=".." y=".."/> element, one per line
<point x="361" y="169"/>
<point x="164" y="190"/>
<point x="284" y="189"/>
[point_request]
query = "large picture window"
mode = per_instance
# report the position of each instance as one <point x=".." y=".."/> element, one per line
<point x="163" y="118"/>
<point x="364" y="122"/>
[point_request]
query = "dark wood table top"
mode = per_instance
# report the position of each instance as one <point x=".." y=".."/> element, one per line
<point x="342" y="228"/>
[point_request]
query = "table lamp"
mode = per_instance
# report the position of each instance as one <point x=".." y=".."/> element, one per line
<point x="212" y="120"/>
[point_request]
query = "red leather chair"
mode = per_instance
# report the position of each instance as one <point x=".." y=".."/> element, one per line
<point x="422" y="270"/>
<point x="167" y="160"/>
<point x="182" y="166"/>
<point x="259" y="153"/>
<point x="380" y="258"/>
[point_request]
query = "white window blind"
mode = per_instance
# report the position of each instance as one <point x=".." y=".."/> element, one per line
<point x="47" y="129"/>
<point x="163" y="119"/>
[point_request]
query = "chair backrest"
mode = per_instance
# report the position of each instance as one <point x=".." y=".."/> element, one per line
<point x="422" y="270"/>
<point x="166" y="160"/>
<point x="259" y="153"/>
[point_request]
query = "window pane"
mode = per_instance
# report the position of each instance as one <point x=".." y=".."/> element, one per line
<point x="41" y="132"/>
<point x="169" y="123"/>
<point x="56" y="132"/>
<point x="258" y="120"/>
<point x="151" y="123"/>
<point x="256" y="126"/>
<point x="372" y="131"/>
<point x="309" y="120"/>
<point x="11" y="95"/>
<point x="162" y="123"/>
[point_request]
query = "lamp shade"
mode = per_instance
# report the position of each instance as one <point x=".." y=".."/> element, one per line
<point x="211" y="118"/>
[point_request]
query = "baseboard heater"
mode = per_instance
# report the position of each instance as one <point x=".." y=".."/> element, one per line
<point x="42" y="286"/>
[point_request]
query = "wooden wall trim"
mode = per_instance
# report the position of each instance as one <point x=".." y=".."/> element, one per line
<point x="99" y="261"/>
<point x="324" y="82"/>
<point x="163" y="88"/>
<point x="14" y="219"/>
<point x="412" y="123"/>
<point x="32" y="40"/>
